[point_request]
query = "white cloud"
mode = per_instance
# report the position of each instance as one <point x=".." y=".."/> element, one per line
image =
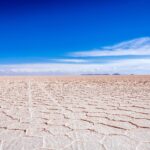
<point x="139" y="47"/>
<point x="69" y="60"/>
<point x="140" y="65"/>
<point x="128" y="66"/>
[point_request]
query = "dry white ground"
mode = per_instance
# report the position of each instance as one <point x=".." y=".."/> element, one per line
<point x="75" y="113"/>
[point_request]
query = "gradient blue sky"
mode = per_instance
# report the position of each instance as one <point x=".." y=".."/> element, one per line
<point x="43" y="30"/>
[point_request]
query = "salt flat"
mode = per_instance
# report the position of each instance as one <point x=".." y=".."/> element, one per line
<point x="75" y="113"/>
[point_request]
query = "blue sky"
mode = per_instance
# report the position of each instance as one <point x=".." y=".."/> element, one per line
<point x="56" y="32"/>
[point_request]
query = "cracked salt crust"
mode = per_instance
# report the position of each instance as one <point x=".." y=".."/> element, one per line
<point x="75" y="113"/>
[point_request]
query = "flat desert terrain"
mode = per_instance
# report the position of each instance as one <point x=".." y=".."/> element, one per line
<point x="75" y="113"/>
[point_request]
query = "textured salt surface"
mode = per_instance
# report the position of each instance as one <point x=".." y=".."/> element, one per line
<point x="75" y="113"/>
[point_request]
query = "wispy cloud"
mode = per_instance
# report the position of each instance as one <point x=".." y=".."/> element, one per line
<point x="69" y="60"/>
<point x="127" y="66"/>
<point x="136" y="47"/>
<point x="91" y="65"/>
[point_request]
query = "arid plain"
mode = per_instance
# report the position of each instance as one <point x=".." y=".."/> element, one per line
<point x="75" y="113"/>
